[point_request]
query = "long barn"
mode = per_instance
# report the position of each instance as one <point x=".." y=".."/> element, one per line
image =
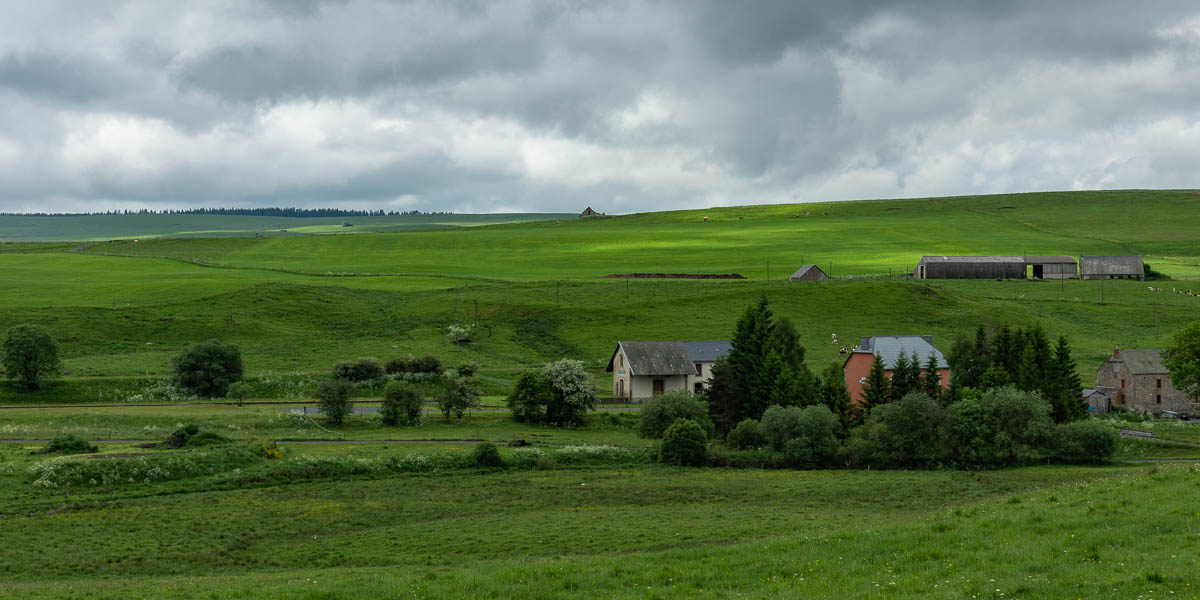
<point x="970" y="267"/>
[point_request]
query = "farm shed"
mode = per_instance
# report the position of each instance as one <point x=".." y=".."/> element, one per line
<point x="889" y="348"/>
<point x="970" y="267"/>
<point x="644" y="369"/>
<point x="809" y="273"/>
<point x="1111" y="267"/>
<point x="1097" y="401"/>
<point x="1052" y="267"/>
<point x="588" y="212"/>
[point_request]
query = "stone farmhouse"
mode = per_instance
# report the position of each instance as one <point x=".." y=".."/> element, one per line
<point x="1138" y="381"/>
<point x="889" y="348"/>
<point x="644" y="369"/>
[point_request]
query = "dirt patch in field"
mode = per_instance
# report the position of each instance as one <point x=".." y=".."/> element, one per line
<point x="674" y="276"/>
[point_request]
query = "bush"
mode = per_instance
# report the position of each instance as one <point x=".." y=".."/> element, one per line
<point x="817" y="442"/>
<point x="208" y="368"/>
<point x="661" y="411"/>
<point x="486" y="455"/>
<point x="1087" y="441"/>
<point x="333" y="397"/>
<point x="238" y="392"/>
<point x="459" y="335"/>
<point x="30" y="355"/>
<point x="466" y="369"/>
<point x="684" y="444"/>
<point x="746" y="436"/>
<point x="779" y="425"/>
<point x="358" y="371"/>
<point x="530" y="396"/>
<point x="67" y="444"/>
<point x="457" y="395"/>
<point x="401" y="404"/>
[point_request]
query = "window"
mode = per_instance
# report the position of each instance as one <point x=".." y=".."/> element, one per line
<point x="658" y="387"/>
<point x="1122" y="383"/>
<point x="1158" y="399"/>
<point x="698" y="388"/>
<point x="1158" y="383"/>
<point x="621" y="360"/>
<point x="699" y="370"/>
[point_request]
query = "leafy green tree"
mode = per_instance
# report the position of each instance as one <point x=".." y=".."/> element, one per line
<point x="816" y="442"/>
<point x="401" y="404"/>
<point x="931" y="379"/>
<point x="458" y="394"/>
<point x="746" y="436"/>
<point x="208" y="368"/>
<point x="780" y="424"/>
<point x="877" y="388"/>
<point x="834" y="394"/>
<point x="662" y="410"/>
<point x="684" y="444"/>
<point x="530" y="396"/>
<point x="333" y="399"/>
<point x="363" y="369"/>
<point x="30" y="355"/>
<point x="1182" y="359"/>
<point x="238" y="392"/>
<point x="574" y="393"/>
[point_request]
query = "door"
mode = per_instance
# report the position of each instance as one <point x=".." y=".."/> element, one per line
<point x="620" y="388"/>
<point x="1037" y="271"/>
<point x="658" y="387"/>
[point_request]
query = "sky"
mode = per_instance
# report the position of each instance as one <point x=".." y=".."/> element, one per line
<point x="504" y="106"/>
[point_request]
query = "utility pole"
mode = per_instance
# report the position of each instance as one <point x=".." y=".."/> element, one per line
<point x="626" y="288"/>
<point x="556" y="293"/>
<point x="768" y="270"/>
<point x="1101" y="292"/>
<point x="1156" y="319"/>
<point x="476" y="314"/>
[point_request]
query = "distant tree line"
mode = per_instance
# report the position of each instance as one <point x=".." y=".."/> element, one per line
<point x="300" y="213"/>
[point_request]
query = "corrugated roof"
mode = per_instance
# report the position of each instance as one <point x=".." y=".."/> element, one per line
<point x="668" y="358"/>
<point x="1142" y="362"/>
<point x="1049" y="260"/>
<point x="1110" y="265"/>
<point x="889" y="348"/>
<point x="973" y="259"/>
<point x="707" y="351"/>
<point x="805" y="269"/>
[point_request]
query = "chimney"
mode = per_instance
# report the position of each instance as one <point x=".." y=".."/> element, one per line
<point x="1116" y="353"/>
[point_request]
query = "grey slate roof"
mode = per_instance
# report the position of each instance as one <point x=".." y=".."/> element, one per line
<point x="707" y="351"/>
<point x="889" y="347"/>
<point x="1111" y="265"/>
<point x="1142" y="362"/>
<point x="973" y="259"/>
<point x="1049" y="260"/>
<point x="805" y="269"/>
<point x="668" y="358"/>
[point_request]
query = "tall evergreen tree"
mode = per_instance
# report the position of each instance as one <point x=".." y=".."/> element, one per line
<point x="931" y="379"/>
<point x="787" y="343"/>
<point x="723" y="403"/>
<point x="877" y="389"/>
<point x="1028" y="373"/>
<point x="834" y="394"/>
<point x="1006" y="351"/>
<point x="1066" y="397"/>
<point x="752" y="339"/>
<point x="966" y="364"/>
<point x="769" y="387"/>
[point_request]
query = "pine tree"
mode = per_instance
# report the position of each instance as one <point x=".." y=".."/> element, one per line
<point x="765" y="389"/>
<point x="1006" y="351"/>
<point x="876" y="390"/>
<point x="965" y="363"/>
<point x="787" y="343"/>
<point x="835" y="396"/>
<point x="900" y="384"/>
<point x="931" y="379"/>
<point x="1028" y="373"/>
<point x="751" y="342"/>
<point x="723" y="404"/>
<point x="1067" y="398"/>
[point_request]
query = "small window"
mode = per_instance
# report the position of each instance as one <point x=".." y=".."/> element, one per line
<point x="1158" y="383"/>
<point x="699" y="370"/>
<point x="698" y="388"/>
<point x="621" y="360"/>
<point x="1122" y="383"/>
<point x="1157" y="399"/>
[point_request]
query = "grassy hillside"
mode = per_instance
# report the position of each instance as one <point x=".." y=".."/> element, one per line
<point x="15" y="228"/>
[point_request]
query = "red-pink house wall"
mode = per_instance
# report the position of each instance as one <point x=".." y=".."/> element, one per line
<point x="859" y="365"/>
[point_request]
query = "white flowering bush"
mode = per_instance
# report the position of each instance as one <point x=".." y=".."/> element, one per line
<point x="459" y="335"/>
<point x="72" y="473"/>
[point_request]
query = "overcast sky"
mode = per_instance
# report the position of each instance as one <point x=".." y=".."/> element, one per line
<point x="625" y="106"/>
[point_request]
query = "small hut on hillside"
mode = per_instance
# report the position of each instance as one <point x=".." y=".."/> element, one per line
<point x="970" y="267"/>
<point x="588" y="212"/>
<point x="1111" y="267"/>
<point x="809" y="273"/>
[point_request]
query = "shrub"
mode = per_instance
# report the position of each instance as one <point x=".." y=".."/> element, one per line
<point x="208" y="368"/>
<point x="574" y="393"/>
<point x="206" y="438"/>
<point x="238" y="392"/>
<point x="457" y="395"/>
<point x="30" y="355"/>
<point x="401" y="404"/>
<point x="1087" y="441"/>
<point x="684" y="444"/>
<point x="486" y="455"/>
<point x="458" y="335"/>
<point x="746" y="436"/>
<point x="358" y="371"/>
<point x="67" y="444"/>
<point x="333" y="397"/>
<point x="661" y="411"/>
<point x="467" y="369"/>
<point x="530" y="396"/>
<point x="779" y="425"/>
<point x="817" y="442"/>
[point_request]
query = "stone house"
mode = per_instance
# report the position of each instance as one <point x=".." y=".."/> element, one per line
<point x="1138" y="381"/>
<point x="889" y="348"/>
<point x="644" y="369"/>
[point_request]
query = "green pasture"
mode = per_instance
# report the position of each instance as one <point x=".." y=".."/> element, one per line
<point x="631" y="532"/>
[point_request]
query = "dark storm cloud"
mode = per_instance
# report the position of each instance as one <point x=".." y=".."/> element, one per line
<point x="629" y="105"/>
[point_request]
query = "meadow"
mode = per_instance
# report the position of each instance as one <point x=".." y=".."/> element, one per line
<point x="367" y="511"/>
